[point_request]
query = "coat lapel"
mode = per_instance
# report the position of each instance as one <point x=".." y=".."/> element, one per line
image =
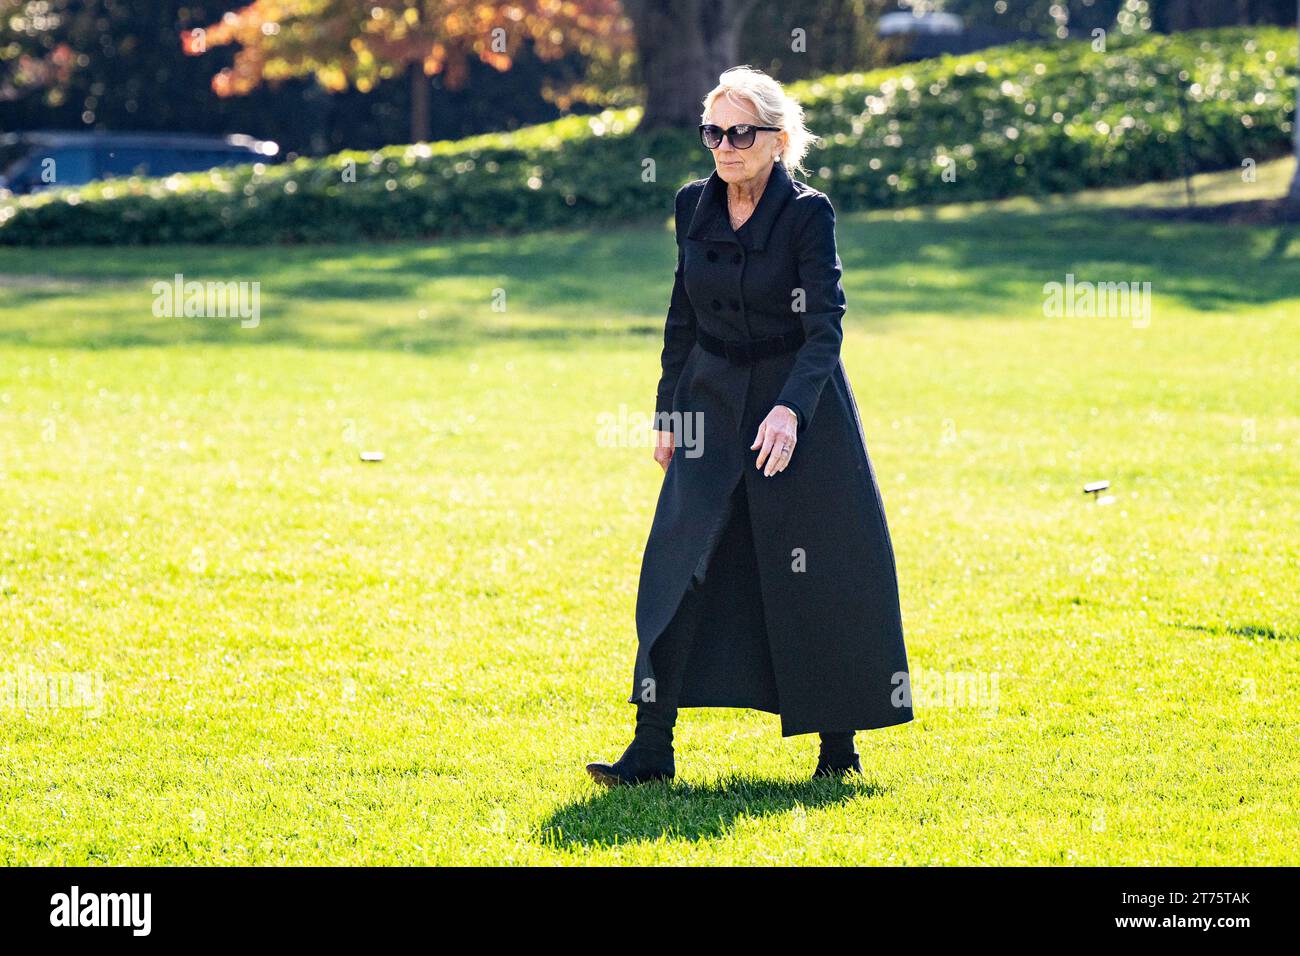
<point x="709" y="220"/>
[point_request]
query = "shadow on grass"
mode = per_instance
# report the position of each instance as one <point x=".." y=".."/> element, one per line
<point x="574" y="287"/>
<point x="679" y="811"/>
<point x="1254" y="631"/>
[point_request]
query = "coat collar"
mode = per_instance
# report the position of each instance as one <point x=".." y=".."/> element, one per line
<point x="709" y="221"/>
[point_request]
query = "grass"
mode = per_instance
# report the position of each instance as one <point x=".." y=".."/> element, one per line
<point x="310" y="659"/>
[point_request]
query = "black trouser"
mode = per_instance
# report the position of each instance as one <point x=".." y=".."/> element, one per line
<point x="655" y="719"/>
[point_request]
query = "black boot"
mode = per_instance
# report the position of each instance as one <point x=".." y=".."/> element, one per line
<point x="649" y="756"/>
<point x="837" y="757"/>
<point x="640" y="763"/>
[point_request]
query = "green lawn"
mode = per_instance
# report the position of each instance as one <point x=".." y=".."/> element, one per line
<point x="306" y="658"/>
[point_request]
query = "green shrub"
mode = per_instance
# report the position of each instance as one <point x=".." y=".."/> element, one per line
<point x="1044" y="118"/>
<point x="1025" y="119"/>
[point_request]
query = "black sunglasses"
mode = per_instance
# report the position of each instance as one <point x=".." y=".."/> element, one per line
<point x="741" y="136"/>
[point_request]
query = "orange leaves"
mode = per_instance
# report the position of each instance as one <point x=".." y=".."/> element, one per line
<point x="344" y="42"/>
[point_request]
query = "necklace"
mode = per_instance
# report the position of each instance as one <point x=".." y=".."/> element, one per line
<point x="732" y="216"/>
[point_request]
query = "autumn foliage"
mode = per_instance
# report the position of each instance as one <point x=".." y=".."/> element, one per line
<point x="344" y="42"/>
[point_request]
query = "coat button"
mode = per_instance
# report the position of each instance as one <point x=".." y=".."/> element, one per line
<point x="717" y="304"/>
<point x="735" y="305"/>
<point x="713" y="255"/>
<point x="736" y="258"/>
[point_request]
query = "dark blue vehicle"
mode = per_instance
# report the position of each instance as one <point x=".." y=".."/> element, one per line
<point x="48" y="160"/>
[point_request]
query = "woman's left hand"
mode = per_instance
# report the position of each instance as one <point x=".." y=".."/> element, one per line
<point x="776" y="436"/>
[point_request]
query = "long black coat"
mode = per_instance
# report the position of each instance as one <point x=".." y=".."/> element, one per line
<point x="804" y="622"/>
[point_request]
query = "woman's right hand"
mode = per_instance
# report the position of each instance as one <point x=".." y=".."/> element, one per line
<point x="663" y="448"/>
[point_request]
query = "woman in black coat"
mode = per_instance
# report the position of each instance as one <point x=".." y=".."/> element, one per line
<point x="768" y="580"/>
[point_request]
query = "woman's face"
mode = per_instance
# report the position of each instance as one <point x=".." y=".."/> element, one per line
<point x="738" y="165"/>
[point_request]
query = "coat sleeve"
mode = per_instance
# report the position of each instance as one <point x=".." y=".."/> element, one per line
<point x="679" y="329"/>
<point x="824" y="306"/>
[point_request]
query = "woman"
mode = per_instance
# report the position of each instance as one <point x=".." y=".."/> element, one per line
<point x="768" y="580"/>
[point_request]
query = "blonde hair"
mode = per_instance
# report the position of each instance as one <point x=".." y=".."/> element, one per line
<point x="766" y="100"/>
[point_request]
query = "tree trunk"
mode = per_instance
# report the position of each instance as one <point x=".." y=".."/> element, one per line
<point x="419" y="103"/>
<point x="682" y="46"/>
<point x="1294" y="194"/>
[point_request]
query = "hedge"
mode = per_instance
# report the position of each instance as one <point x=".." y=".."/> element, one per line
<point x="1027" y="119"/>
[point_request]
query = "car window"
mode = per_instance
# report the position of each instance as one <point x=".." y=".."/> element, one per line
<point x="163" y="161"/>
<point x="77" y="165"/>
<point x="69" y="166"/>
<point x="10" y="153"/>
<point x="233" y="158"/>
<point x="198" y="160"/>
<point x="135" y="161"/>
